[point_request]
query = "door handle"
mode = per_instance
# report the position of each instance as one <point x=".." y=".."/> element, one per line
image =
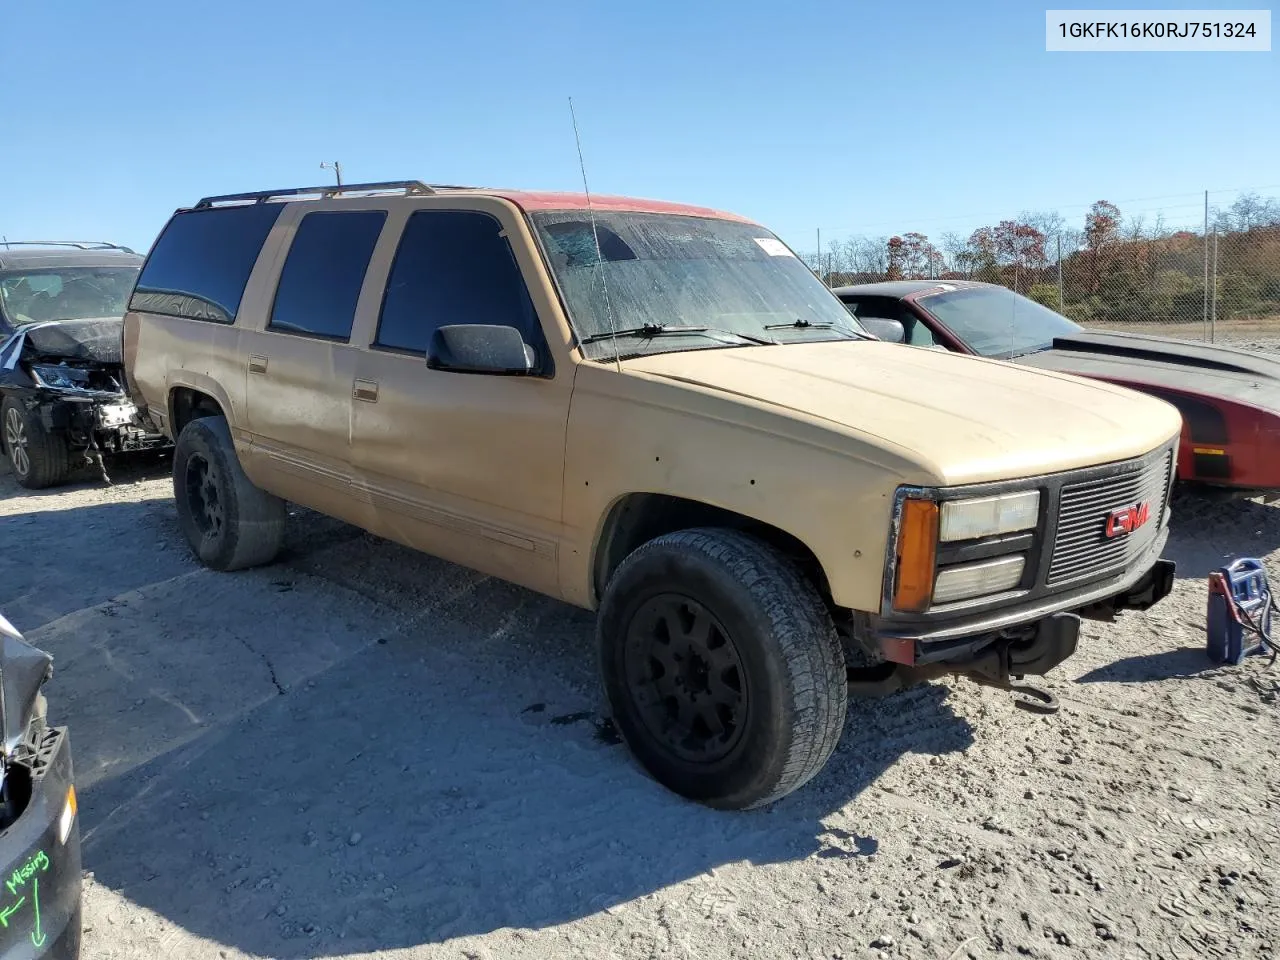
<point x="257" y="364"/>
<point x="366" y="390"/>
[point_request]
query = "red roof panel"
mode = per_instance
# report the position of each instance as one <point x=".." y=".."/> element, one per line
<point x="538" y="200"/>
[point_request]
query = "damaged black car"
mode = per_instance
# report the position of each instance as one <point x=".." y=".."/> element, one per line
<point x="63" y="402"/>
<point x="40" y="863"/>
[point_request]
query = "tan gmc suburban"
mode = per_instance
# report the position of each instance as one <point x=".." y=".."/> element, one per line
<point x="659" y="413"/>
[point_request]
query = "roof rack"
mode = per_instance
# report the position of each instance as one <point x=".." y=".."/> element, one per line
<point x="78" y="244"/>
<point x="410" y="188"/>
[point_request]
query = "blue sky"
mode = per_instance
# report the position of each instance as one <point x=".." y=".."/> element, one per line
<point x="847" y="116"/>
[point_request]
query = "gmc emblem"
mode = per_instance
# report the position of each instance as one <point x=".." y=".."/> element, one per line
<point x="1127" y="519"/>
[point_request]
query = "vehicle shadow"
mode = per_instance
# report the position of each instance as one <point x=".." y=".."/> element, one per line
<point x="361" y="748"/>
<point x="394" y="806"/>
<point x="1179" y="663"/>
<point x="121" y="469"/>
<point x="61" y="555"/>
<point x="1205" y="534"/>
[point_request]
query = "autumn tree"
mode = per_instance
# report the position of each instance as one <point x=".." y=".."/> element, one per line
<point x="1060" y="239"/>
<point x="913" y="257"/>
<point x="1049" y="222"/>
<point x="978" y="258"/>
<point x="1101" y="226"/>
<point x="1101" y="223"/>
<point x="1020" y="246"/>
<point x="894" y="246"/>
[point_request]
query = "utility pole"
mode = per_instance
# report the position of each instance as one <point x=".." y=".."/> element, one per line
<point x="1213" y="303"/>
<point x="1061" y="308"/>
<point x="336" y="167"/>
<point x="1204" y="325"/>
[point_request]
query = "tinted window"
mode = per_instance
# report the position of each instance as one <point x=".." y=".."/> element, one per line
<point x="202" y="260"/>
<point x="918" y="335"/>
<point x="996" y="322"/>
<point x="322" y="276"/>
<point x="453" y="267"/>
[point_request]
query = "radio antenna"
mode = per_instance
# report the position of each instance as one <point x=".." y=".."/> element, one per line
<point x="591" y="214"/>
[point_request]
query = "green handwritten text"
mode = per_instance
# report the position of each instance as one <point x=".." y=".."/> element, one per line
<point x="38" y="863"/>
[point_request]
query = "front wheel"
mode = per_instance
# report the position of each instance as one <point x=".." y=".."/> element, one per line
<point x="230" y="523"/>
<point x="38" y="457"/>
<point x="722" y="667"/>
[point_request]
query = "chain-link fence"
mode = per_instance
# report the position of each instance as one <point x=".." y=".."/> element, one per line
<point x="1219" y="280"/>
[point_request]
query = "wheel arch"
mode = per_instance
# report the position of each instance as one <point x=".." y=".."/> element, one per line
<point x="187" y="403"/>
<point x="636" y="518"/>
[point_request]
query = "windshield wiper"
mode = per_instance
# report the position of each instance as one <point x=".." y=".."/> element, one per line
<point x="802" y="324"/>
<point x="649" y="330"/>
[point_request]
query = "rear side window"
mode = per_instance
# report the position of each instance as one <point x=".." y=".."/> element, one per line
<point x="453" y="267"/>
<point x="202" y="260"/>
<point x="323" y="274"/>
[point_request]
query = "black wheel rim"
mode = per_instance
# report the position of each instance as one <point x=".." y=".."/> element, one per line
<point x="204" y="502"/>
<point x="686" y="679"/>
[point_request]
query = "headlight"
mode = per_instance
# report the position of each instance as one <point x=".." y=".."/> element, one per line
<point x="923" y="573"/>
<point x="967" y="580"/>
<point x="61" y="376"/>
<point x="989" y="516"/>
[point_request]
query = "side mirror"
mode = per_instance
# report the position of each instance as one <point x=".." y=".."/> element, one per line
<point x="480" y="348"/>
<point x="891" y="331"/>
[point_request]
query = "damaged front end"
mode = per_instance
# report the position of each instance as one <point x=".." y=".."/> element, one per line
<point x="40" y="860"/>
<point x="63" y="383"/>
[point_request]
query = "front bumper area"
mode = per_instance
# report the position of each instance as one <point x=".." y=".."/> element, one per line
<point x="40" y="877"/>
<point x="95" y="423"/>
<point x="995" y="655"/>
<point x="933" y="631"/>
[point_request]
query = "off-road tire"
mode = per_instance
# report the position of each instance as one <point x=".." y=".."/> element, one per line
<point x="48" y="454"/>
<point x="791" y="664"/>
<point x="250" y="525"/>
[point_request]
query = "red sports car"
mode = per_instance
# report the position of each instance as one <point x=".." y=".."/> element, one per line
<point x="1229" y="399"/>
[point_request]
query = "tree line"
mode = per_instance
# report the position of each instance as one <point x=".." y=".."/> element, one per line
<point x="1108" y="268"/>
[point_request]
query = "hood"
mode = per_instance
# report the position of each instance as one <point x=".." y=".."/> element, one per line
<point x="23" y="671"/>
<point x="93" y="340"/>
<point x="962" y="419"/>
<point x="1186" y="366"/>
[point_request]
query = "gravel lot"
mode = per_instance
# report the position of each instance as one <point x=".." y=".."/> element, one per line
<point x="362" y="751"/>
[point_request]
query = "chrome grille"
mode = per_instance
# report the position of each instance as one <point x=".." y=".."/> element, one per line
<point x="1081" y="547"/>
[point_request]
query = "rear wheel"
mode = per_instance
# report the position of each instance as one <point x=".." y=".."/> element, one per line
<point x="38" y="457"/>
<point x="722" y="667"/>
<point x="230" y="523"/>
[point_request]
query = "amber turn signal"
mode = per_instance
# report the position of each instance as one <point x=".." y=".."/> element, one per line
<point x="916" y="555"/>
<point x="68" y="815"/>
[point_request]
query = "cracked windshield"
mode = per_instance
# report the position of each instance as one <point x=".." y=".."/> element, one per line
<point x="735" y="283"/>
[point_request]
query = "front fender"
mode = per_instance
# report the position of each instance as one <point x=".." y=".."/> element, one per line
<point x="629" y="434"/>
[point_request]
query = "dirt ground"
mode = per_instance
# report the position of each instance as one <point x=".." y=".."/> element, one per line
<point x="1235" y="332"/>
<point x="364" y="752"/>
